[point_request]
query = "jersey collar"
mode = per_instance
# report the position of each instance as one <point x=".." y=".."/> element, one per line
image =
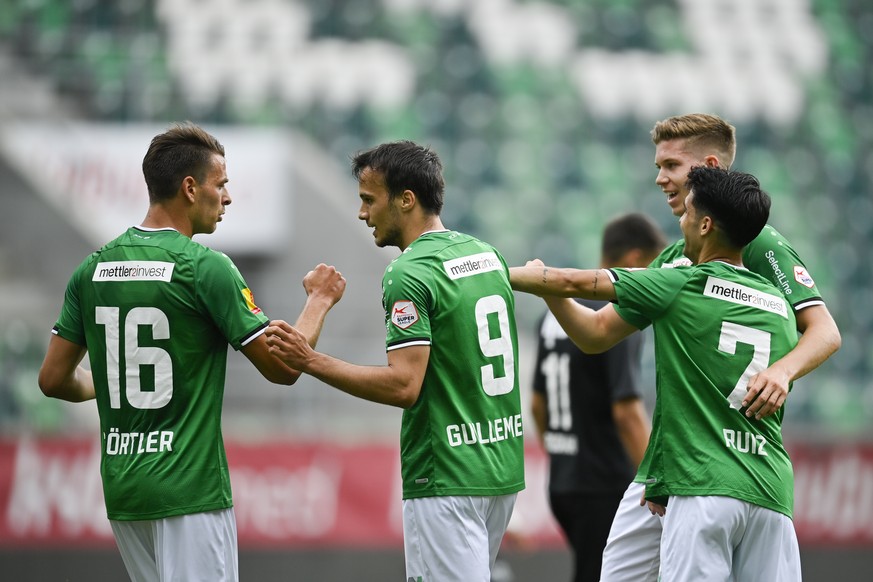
<point x="150" y="229"/>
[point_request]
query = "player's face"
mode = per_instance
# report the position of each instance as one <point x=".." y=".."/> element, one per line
<point x="690" y="224"/>
<point x="211" y="197"/>
<point x="378" y="210"/>
<point x="674" y="160"/>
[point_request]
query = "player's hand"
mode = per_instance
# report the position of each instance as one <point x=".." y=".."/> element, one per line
<point x="325" y="280"/>
<point x="766" y="393"/>
<point x="654" y="508"/>
<point x="288" y="344"/>
<point x="526" y="278"/>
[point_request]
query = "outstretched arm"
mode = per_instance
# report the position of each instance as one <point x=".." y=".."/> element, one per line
<point x="768" y="390"/>
<point x="592" y="331"/>
<point x="397" y="384"/>
<point x="324" y="287"/>
<point x="538" y="279"/>
<point x="61" y="376"/>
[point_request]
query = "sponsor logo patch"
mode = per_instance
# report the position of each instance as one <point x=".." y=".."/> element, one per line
<point x="404" y="314"/>
<point x="680" y="262"/>
<point x="736" y="293"/>
<point x="472" y="265"/>
<point x="134" y="271"/>
<point x="250" y="300"/>
<point x="802" y="276"/>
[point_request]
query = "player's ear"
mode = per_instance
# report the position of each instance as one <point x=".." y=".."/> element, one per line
<point x="188" y="188"/>
<point x="711" y="161"/>
<point x="407" y="200"/>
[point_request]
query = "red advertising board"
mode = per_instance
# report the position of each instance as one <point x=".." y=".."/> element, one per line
<point x="298" y="495"/>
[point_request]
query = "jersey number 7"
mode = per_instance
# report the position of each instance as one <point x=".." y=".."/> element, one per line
<point x="731" y="335"/>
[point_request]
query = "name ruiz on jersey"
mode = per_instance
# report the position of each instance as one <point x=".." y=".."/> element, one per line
<point x="740" y="294"/>
<point x="745" y="442"/>
<point x="472" y="265"/>
<point x="134" y="271"/>
<point x="495" y="430"/>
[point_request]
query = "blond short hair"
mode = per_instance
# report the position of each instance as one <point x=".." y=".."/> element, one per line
<point x="705" y="134"/>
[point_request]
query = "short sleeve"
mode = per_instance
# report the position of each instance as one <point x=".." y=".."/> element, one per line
<point x="642" y="295"/>
<point x="407" y="300"/>
<point x="230" y="303"/>
<point x="771" y="256"/>
<point x="70" y="324"/>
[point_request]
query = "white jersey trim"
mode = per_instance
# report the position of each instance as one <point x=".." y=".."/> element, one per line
<point x="800" y="305"/>
<point x="418" y="342"/>
<point x="249" y="339"/>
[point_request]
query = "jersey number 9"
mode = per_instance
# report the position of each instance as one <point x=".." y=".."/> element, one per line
<point x="492" y="347"/>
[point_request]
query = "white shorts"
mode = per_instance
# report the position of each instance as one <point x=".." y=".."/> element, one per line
<point x="454" y="539"/>
<point x="195" y="547"/>
<point x="719" y="539"/>
<point x="632" y="552"/>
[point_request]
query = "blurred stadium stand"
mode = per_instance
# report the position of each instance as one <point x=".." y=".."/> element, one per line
<point x="541" y="111"/>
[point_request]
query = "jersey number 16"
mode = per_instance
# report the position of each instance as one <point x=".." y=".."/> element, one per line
<point x="136" y="355"/>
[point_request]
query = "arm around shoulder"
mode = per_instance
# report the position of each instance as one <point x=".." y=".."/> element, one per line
<point x="820" y="339"/>
<point x="768" y="389"/>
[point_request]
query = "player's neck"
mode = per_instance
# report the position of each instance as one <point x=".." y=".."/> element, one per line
<point x="159" y="216"/>
<point x="428" y="223"/>
<point x="723" y="255"/>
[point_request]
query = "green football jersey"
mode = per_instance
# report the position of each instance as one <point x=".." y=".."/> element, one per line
<point x="464" y="434"/>
<point x="715" y="326"/>
<point x="156" y="312"/>
<point x="769" y="255"/>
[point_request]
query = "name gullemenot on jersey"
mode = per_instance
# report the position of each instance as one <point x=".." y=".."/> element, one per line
<point x="740" y="294"/>
<point x="472" y="265"/>
<point x="134" y="271"/>
<point x="492" y="430"/>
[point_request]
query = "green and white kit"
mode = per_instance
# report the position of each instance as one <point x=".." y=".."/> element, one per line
<point x="156" y="312"/>
<point x="464" y="435"/>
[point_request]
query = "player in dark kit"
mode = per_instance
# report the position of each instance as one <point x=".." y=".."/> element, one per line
<point x="589" y="411"/>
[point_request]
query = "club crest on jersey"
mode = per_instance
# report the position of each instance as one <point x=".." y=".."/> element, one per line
<point x="250" y="300"/>
<point x="803" y="277"/>
<point x="404" y="314"/>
